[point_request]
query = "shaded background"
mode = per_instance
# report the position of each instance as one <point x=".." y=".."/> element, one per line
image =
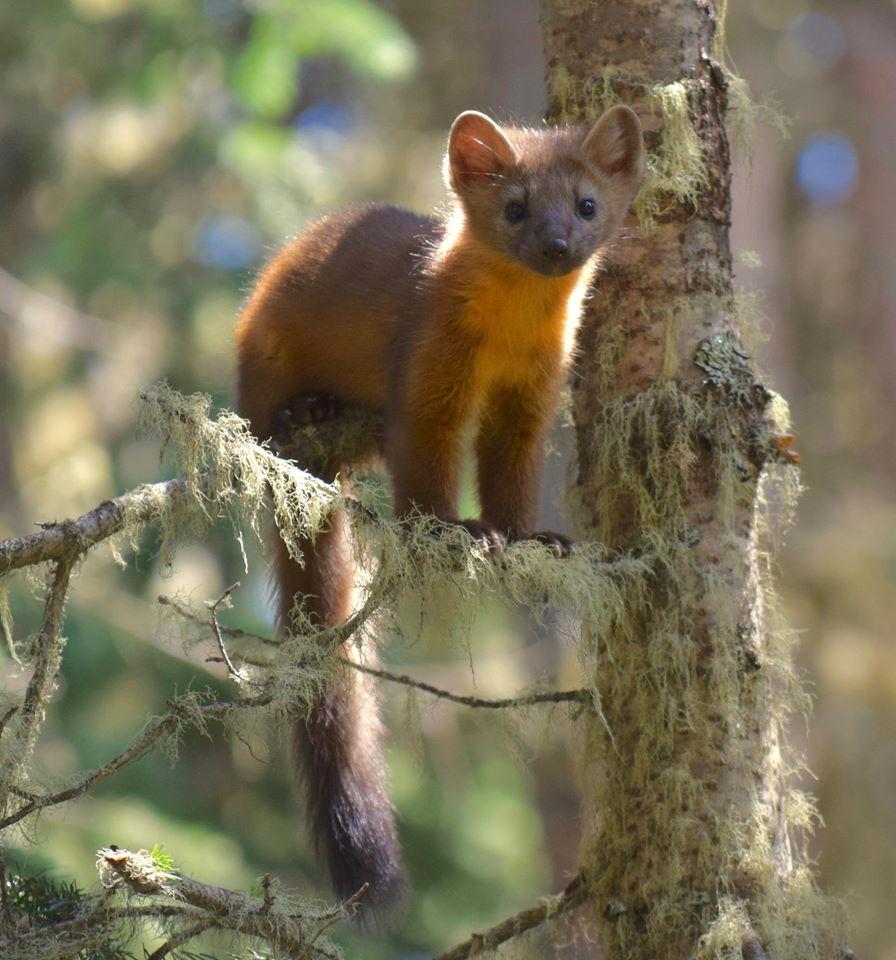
<point x="154" y="152"/>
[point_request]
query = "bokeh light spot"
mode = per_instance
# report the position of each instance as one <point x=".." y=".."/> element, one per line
<point x="821" y="37"/>
<point x="827" y="168"/>
<point x="227" y="242"/>
<point x="777" y="14"/>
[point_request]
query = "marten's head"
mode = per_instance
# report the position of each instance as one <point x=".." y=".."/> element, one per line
<point x="549" y="199"/>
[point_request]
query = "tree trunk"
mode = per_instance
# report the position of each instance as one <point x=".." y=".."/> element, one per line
<point x="692" y="830"/>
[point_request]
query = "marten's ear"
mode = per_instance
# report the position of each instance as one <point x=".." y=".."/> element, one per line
<point x="615" y="145"/>
<point x="477" y="149"/>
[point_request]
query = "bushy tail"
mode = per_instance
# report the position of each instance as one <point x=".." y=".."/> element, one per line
<point x="338" y="746"/>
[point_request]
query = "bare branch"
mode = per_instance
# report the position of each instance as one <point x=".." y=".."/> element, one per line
<point x="548" y="696"/>
<point x="180" y="710"/>
<point x="216" y="629"/>
<point x="573" y="896"/>
<point x="346" y="909"/>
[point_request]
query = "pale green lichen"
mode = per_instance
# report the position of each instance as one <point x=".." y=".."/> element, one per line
<point x="677" y="170"/>
<point x="687" y="670"/>
<point x="226" y="474"/>
<point x="6" y="620"/>
<point x="745" y="115"/>
<point x="638" y="649"/>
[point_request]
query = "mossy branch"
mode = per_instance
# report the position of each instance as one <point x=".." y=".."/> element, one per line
<point x="225" y="473"/>
<point x="72" y="538"/>
<point x="47" y="660"/>
<point x="264" y="652"/>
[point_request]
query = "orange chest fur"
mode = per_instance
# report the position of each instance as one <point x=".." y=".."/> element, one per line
<point x="522" y="324"/>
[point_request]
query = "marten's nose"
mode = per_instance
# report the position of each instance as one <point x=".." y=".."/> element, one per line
<point x="555" y="248"/>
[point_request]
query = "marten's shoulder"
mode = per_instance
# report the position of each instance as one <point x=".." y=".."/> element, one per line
<point x="365" y="232"/>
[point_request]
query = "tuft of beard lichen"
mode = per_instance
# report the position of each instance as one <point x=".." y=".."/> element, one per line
<point x="674" y="669"/>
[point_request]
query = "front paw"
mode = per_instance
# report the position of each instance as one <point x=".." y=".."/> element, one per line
<point x="305" y="410"/>
<point x="487" y="537"/>
<point x="559" y="543"/>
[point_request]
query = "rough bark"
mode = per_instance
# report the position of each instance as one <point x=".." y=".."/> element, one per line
<point x="688" y="849"/>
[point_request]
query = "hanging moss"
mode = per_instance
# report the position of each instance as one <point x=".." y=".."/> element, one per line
<point x="691" y="672"/>
<point x="745" y="116"/>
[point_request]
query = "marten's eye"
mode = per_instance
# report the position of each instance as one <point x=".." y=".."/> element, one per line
<point x="514" y="212"/>
<point x="587" y="209"/>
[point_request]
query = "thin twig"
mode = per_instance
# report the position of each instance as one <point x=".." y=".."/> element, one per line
<point x="216" y="629"/>
<point x="548" y="696"/>
<point x="233" y="632"/>
<point x="345" y="909"/>
<point x="164" y="725"/>
<point x="330" y="636"/>
<point x="572" y="897"/>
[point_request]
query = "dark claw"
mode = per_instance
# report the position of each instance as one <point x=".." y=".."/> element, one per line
<point x="488" y="537"/>
<point x="559" y="543"/>
<point x="304" y="410"/>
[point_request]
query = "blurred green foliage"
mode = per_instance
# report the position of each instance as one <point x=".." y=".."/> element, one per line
<point x="152" y="153"/>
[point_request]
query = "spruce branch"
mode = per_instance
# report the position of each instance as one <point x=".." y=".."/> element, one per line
<point x="296" y="931"/>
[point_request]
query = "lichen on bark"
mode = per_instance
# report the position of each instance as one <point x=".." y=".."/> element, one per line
<point x="693" y="829"/>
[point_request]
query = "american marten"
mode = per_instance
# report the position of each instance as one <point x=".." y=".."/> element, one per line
<point x="438" y="323"/>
